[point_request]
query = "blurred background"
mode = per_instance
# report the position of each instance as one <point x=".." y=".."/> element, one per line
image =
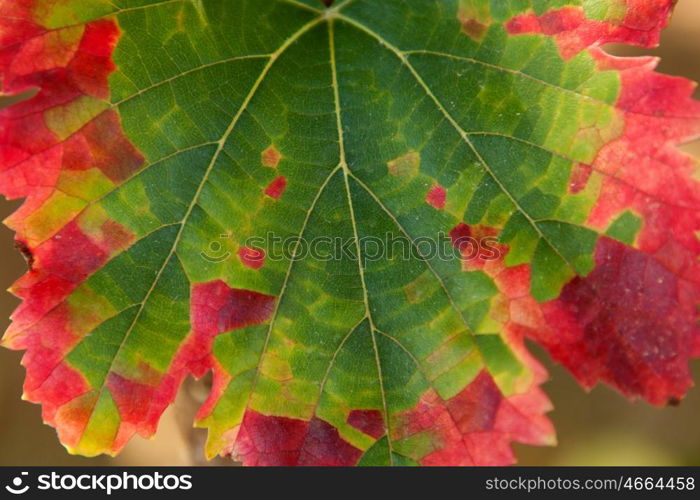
<point x="600" y="428"/>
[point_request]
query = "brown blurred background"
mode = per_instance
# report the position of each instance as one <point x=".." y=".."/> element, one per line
<point x="600" y="428"/>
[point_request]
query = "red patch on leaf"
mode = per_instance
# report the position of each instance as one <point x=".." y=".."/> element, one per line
<point x="60" y="265"/>
<point x="72" y="417"/>
<point x="574" y="32"/>
<point x="579" y="178"/>
<point x="475" y="408"/>
<point x="477" y="426"/>
<point x="281" y="441"/>
<point x="133" y="399"/>
<point x="107" y="149"/>
<point x="70" y="254"/>
<point x="629" y="323"/>
<point x="323" y="446"/>
<point x="46" y="292"/>
<point x="33" y="155"/>
<point x="645" y="173"/>
<point x="478" y="245"/>
<point x="436" y="197"/>
<point x="269" y="441"/>
<point x="234" y="308"/>
<point x="252" y="257"/>
<point x="610" y="335"/>
<point x="460" y="236"/>
<point x="63" y="384"/>
<point x="276" y="188"/>
<point x="50" y="381"/>
<point x="371" y="422"/>
<point x="217" y="308"/>
<point x="62" y="66"/>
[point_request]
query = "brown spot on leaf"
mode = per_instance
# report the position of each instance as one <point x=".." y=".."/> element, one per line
<point x="181" y="20"/>
<point x="26" y="253"/>
<point x="475" y="18"/>
<point x="114" y="236"/>
<point x="406" y="165"/>
<point x="418" y="289"/>
<point x="412" y="293"/>
<point x="474" y="29"/>
<point x="271" y="157"/>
